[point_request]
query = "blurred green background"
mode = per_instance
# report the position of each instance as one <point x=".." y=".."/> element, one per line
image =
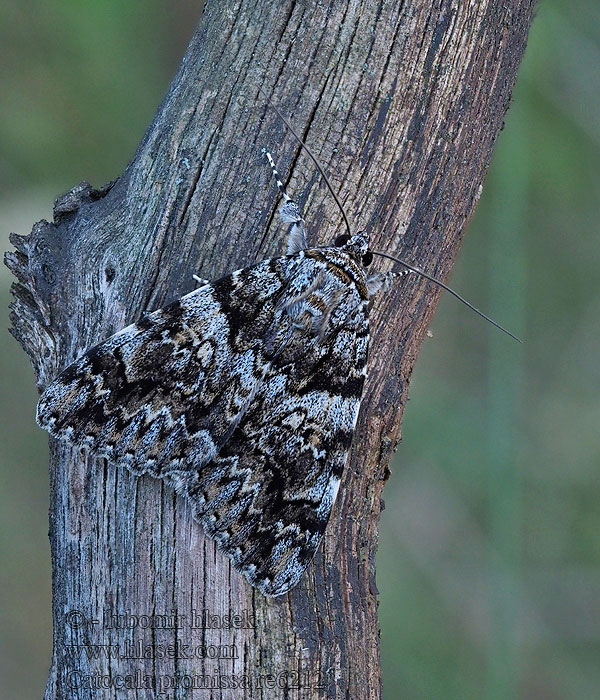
<point x="489" y="564"/>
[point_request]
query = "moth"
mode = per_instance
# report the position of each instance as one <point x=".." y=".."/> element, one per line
<point x="243" y="396"/>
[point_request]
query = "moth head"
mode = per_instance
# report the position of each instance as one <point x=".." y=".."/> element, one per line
<point x="356" y="245"/>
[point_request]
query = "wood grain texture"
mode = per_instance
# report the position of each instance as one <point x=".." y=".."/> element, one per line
<point x="402" y="103"/>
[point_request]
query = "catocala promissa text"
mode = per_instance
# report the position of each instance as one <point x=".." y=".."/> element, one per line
<point x="243" y="395"/>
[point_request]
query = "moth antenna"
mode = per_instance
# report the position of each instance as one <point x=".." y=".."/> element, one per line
<point x="312" y="157"/>
<point x="383" y="255"/>
<point x="448" y="289"/>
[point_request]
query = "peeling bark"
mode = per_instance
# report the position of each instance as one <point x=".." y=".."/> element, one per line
<point x="402" y="103"/>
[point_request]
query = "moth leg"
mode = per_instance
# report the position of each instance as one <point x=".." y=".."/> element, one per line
<point x="382" y="281"/>
<point x="200" y="281"/>
<point x="290" y="214"/>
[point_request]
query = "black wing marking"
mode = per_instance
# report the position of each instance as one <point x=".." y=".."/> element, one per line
<point x="266" y="498"/>
<point x="163" y="394"/>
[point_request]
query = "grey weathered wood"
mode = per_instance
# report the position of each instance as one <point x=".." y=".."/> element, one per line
<point x="402" y="102"/>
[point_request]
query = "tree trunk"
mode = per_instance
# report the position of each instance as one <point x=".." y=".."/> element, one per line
<point x="402" y="103"/>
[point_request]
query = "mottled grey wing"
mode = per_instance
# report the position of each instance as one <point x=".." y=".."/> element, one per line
<point x="266" y="498"/>
<point x="164" y="394"/>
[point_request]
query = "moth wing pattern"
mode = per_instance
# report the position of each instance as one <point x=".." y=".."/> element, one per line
<point x="243" y="395"/>
<point x="163" y="394"/>
<point x="267" y="497"/>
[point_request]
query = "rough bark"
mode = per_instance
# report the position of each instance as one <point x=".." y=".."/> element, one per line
<point x="402" y="102"/>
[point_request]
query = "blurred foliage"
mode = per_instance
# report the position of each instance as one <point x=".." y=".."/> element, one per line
<point x="489" y="566"/>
